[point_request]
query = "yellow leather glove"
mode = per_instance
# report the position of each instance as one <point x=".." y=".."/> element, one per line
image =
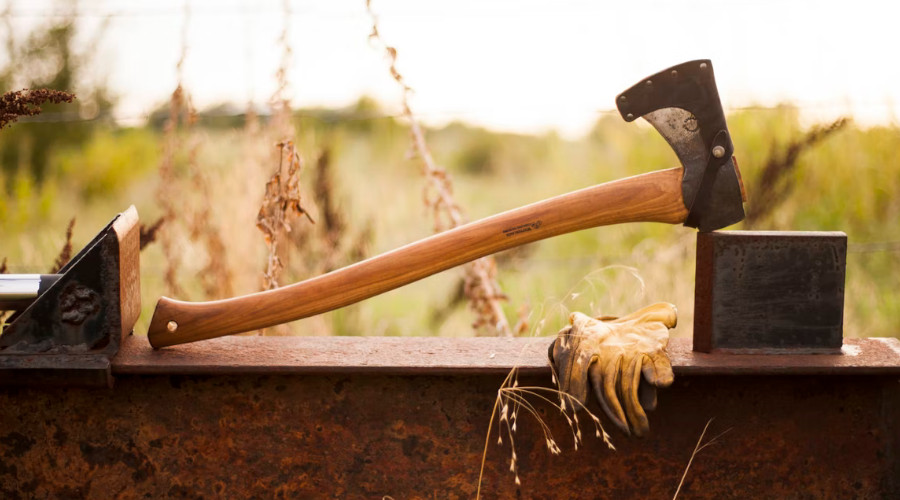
<point x="613" y="353"/>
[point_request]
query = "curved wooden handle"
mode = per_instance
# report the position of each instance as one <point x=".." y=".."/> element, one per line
<point x="653" y="197"/>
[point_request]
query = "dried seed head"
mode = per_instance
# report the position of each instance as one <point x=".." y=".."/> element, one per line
<point x="28" y="103"/>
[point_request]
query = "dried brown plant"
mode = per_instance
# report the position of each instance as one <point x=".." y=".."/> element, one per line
<point x="25" y="102"/>
<point x="168" y="192"/>
<point x="306" y="249"/>
<point x="215" y="277"/>
<point x="149" y="233"/>
<point x="775" y="182"/>
<point x="282" y="199"/>
<point x="192" y="215"/>
<point x="481" y="286"/>
<point x="280" y="205"/>
<point x="65" y="254"/>
<point x="281" y="124"/>
<point x="697" y="449"/>
<point x="337" y="243"/>
<point x="3" y="268"/>
<point x="333" y="224"/>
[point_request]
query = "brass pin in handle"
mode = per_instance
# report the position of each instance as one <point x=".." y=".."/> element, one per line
<point x="18" y="291"/>
<point x="652" y="197"/>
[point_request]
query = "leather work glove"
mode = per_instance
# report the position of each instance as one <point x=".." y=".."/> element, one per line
<point x="612" y="353"/>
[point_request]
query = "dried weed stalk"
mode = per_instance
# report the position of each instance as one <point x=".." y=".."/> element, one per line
<point x="322" y="246"/>
<point x="181" y="212"/>
<point x="280" y="205"/>
<point x="3" y="268"/>
<point x="335" y="249"/>
<point x="168" y="195"/>
<point x="776" y="182"/>
<point x="697" y="449"/>
<point x="281" y="123"/>
<point x="334" y="224"/>
<point x="215" y="277"/>
<point x="149" y="233"/>
<point x="481" y="287"/>
<point x="65" y="254"/>
<point x="282" y="200"/>
<point x="25" y="102"/>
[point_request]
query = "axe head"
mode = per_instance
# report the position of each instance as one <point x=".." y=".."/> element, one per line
<point x="682" y="103"/>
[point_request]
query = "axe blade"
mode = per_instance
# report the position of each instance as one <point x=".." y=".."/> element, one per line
<point x="682" y="103"/>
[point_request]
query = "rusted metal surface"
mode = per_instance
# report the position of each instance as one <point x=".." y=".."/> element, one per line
<point x="368" y="435"/>
<point x="87" y="370"/>
<point x="769" y="290"/>
<point x="470" y="356"/>
<point x="365" y="417"/>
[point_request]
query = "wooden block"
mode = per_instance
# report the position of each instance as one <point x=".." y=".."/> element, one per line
<point x="770" y="290"/>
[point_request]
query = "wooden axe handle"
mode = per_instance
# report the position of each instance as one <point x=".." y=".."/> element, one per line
<point x="652" y="197"/>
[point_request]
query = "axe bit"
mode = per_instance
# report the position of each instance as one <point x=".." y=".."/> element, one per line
<point x="681" y="102"/>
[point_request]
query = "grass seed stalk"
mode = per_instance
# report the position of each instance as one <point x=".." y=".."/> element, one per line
<point x="512" y="399"/>
<point x="776" y="181"/>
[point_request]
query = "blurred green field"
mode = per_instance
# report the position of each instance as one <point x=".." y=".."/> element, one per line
<point x="848" y="182"/>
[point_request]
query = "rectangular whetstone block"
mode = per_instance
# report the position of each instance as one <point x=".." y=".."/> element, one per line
<point x="770" y="290"/>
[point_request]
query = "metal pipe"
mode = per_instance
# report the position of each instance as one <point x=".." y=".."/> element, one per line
<point x="19" y="290"/>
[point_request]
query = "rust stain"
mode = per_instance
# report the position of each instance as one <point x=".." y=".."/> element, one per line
<point x="365" y="436"/>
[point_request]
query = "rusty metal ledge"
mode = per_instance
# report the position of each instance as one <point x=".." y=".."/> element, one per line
<point x="464" y="356"/>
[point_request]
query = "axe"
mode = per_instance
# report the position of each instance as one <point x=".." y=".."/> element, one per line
<point x="706" y="193"/>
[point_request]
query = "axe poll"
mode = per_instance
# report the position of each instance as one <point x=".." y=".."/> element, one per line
<point x="681" y="102"/>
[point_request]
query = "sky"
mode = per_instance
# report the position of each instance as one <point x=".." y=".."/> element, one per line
<point x="522" y="66"/>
